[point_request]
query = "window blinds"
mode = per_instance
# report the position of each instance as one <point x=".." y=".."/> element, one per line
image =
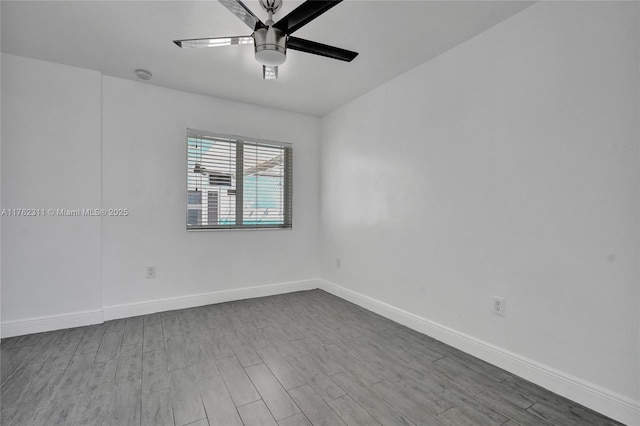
<point x="237" y="183"/>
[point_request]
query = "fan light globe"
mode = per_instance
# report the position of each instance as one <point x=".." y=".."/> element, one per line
<point x="270" y="58"/>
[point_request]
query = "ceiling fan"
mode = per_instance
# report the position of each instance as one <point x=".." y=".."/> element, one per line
<point x="272" y="39"/>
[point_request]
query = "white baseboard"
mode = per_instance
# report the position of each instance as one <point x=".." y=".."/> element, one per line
<point x="78" y="319"/>
<point x="190" y="301"/>
<point x="607" y="402"/>
<point x="50" y="323"/>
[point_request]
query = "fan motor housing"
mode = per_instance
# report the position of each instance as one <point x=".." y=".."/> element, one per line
<point x="270" y="46"/>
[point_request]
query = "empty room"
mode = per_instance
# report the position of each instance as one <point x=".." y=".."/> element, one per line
<point x="287" y="212"/>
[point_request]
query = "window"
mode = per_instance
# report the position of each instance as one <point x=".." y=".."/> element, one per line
<point x="237" y="183"/>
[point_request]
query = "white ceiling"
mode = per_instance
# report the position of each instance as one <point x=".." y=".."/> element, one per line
<point x="116" y="37"/>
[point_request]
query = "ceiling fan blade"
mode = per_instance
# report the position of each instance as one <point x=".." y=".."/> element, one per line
<point x="316" y="48"/>
<point x="303" y="14"/>
<point x="243" y="13"/>
<point x="269" y="73"/>
<point x="213" y="42"/>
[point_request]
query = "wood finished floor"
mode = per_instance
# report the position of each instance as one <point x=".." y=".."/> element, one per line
<point x="305" y="358"/>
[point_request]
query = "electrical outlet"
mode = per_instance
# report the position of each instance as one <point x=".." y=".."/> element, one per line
<point x="338" y="263"/>
<point x="499" y="306"/>
<point x="151" y="271"/>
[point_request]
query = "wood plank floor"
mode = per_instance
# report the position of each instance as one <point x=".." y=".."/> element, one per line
<point x="305" y="358"/>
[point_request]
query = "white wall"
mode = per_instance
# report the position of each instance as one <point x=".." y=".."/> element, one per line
<point x="507" y="166"/>
<point x="50" y="159"/>
<point x="144" y="170"/>
<point x="74" y="139"/>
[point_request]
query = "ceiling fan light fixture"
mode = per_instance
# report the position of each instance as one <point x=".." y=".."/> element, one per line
<point x="270" y="57"/>
<point x="270" y="46"/>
